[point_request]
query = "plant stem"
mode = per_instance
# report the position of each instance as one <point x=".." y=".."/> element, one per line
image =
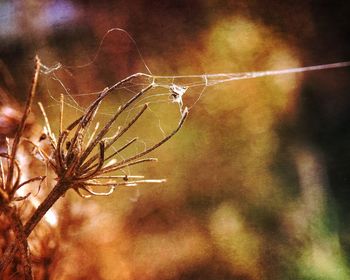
<point x="22" y="125"/>
<point x="60" y="188"/>
<point x="20" y="244"/>
<point x="21" y="240"/>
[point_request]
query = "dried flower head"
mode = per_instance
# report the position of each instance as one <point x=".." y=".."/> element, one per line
<point x="79" y="162"/>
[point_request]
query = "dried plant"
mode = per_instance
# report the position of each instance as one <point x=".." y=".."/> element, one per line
<point x="79" y="162"/>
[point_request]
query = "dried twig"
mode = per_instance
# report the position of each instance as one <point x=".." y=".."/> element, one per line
<point x="73" y="160"/>
<point x="21" y="241"/>
<point x="10" y="183"/>
<point x="20" y="129"/>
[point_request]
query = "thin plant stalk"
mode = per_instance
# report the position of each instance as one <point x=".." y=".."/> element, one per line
<point x="21" y="127"/>
<point x="69" y="162"/>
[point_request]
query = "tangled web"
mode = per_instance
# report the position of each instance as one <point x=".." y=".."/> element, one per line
<point x="157" y="98"/>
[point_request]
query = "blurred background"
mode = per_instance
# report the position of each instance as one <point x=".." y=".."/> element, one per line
<point x="257" y="179"/>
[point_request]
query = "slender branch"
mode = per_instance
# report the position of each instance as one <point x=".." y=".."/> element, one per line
<point x="101" y="161"/>
<point x="128" y="183"/>
<point x="123" y="164"/>
<point x="22" y="123"/>
<point x="59" y="151"/>
<point x="124" y="177"/>
<point x="11" y="192"/>
<point x="116" y="137"/>
<point x="61" y="113"/>
<point x="53" y="196"/>
<point x="42" y="153"/>
<point x="130" y="159"/>
<point x="60" y="188"/>
<point x="58" y="191"/>
<point x="78" y="137"/>
<point x="122" y="148"/>
<point x="107" y="90"/>
<point x="93" y="134"/>
<point x="127" y="127"/>
<point x="7" y="257"/>
<point x="21" y="244"/>
<point x="17" y="228"/>
<point x="105" y="129"/>
<point x="47" y="123"/>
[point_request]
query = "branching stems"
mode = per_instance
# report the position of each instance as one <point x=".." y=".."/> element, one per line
<point x="72" y="161"/>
